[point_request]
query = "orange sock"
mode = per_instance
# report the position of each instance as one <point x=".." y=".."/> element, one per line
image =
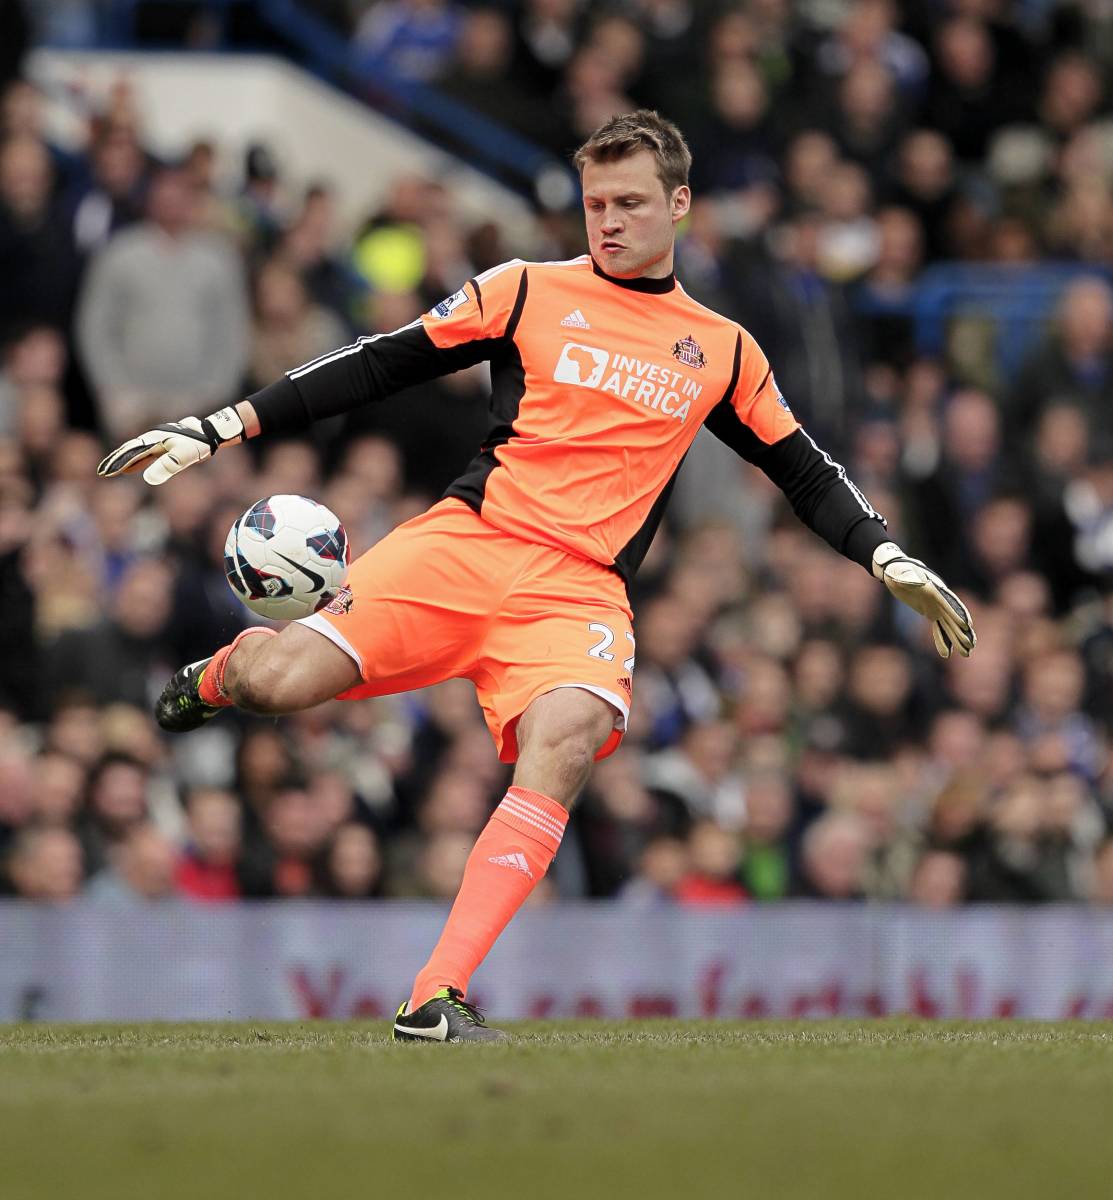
<point x="511" y="855"/>
<point x="211" y="687"/>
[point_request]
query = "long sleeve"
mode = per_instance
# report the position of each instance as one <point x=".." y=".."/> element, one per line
<point x="466" y="328"/>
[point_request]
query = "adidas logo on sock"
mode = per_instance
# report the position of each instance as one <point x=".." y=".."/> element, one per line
<point x="576" y="320"/>
<point x="516" y="862"/>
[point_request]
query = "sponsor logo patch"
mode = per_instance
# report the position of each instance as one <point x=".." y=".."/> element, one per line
<point x="581" y="365"/>
<point x="452" y="302"/>
<point x="780" y="398"/>
<point x="689" y="352"/>
<point x="660" y="389"/>
<point x="627" y="686"/>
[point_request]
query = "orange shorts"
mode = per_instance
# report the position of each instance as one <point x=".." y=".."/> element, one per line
<point x="448" y="596"/>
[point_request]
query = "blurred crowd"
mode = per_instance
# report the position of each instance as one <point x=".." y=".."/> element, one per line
<point x="793" y="733"/>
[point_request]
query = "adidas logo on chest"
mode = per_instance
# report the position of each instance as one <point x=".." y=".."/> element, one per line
<point x="575" y="320"/>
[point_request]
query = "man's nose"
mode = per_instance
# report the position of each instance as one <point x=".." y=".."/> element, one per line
<point x="612" y="222"/>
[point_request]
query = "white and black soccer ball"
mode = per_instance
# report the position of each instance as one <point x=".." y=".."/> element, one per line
<point x="286" y="557"/>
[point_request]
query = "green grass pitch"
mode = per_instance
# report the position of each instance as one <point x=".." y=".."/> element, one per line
<point x="769" y="1110"/>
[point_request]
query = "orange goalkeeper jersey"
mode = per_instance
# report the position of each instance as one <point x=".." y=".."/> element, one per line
<point x="599" y="386"/>
<point x="603" y="387"/>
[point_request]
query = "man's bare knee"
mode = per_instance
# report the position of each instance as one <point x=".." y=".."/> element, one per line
<point x="558" y="736"/>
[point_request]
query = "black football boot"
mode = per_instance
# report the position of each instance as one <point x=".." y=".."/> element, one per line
<point x="448" y="1017"/>
<point x="180" y="708"/>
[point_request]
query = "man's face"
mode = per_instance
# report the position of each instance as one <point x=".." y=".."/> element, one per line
<point x="631" y="221"/>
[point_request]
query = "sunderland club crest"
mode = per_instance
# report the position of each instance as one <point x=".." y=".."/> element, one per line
<point x="341" y="603"/>
<point x="689" y="352"/>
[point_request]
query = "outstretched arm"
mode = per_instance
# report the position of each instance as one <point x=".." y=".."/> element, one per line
<point x="757" y="424"/>
<point x="459" y="332"/>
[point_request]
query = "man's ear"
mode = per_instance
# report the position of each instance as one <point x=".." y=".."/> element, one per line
<point x="681" y="202"/>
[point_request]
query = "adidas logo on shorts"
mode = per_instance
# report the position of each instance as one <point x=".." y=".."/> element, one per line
<point x="576" y="320"/>
<point x="516" y="862"/>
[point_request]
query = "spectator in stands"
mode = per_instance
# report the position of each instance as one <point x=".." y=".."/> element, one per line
<point x="547" y="34"/>
<point x="711" y="879"/>
<point x="806" y="328"/>
<point x="1053" y="692"/>
<point x="414" y="39"/>
<point x="60" y="783"/>
<point x="206" y="869"/>
<point x="1074" y="366"/>
<point x="116" y="659"/>
<point x="162" y="321"/>
<point x="140" y="870"/>
<point x="264" y="761"/>
<point x="869" y="32"/>
<point x="881" y="713"/>
<point x="114" y="194"/>
<point x="288" y="329"/>
<point x="833" y="858"/>
<point x="619" y="817"/>
<point x="1014" y="865"/>
<point x="260" y="205"/>
<point x="966" y="100"/>
<point x="700" y="775"/>
<point x="676" y="688"/>
<point x="310" y="246"/>
<point x="662" y="865"/>
<point x="38" y="262"/>
<point x="279" y="860"/>
<point x="968" y="472"/>
<point x="766" y="867"/>
<point x="480" y="76"/>
<point x="866" y="119"/>
<point x="1072" y="94"/>
<point x="737" y="147"/>
<point x="115" y="804"/>
<point x="440" y="867"/>
<point x="938" y="881"/>
<point x="45" y="864"/>
<point x="353" y="864"/>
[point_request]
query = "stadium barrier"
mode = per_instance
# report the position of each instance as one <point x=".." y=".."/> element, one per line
<point x="177" y="961"/>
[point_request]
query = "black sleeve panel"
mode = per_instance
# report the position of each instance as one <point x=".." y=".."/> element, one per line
<point x="816" y="486"/>
<point x="371" y="369"/>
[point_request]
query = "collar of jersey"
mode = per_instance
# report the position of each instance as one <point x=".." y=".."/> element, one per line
<point x="640" y="284"/>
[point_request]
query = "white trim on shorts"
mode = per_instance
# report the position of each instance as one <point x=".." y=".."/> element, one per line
<point x="622" y="717"/>
<point x="318" y="623"/>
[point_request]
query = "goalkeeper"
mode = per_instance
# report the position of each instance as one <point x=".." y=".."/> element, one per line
<point x="603" y="370"/>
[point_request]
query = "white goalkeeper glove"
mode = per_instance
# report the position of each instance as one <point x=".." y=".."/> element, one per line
<point x="170" y="448"/>
<point x="920" y="588"/>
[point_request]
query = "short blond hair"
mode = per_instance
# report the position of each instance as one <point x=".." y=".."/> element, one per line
<point x="632" y="132"/>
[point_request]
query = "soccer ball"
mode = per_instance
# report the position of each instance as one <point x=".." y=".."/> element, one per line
<point x="286" y="557"/>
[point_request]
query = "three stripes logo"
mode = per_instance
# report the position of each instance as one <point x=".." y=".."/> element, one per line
<point x="575" y="320"/>
<point x="516" y="862"/>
